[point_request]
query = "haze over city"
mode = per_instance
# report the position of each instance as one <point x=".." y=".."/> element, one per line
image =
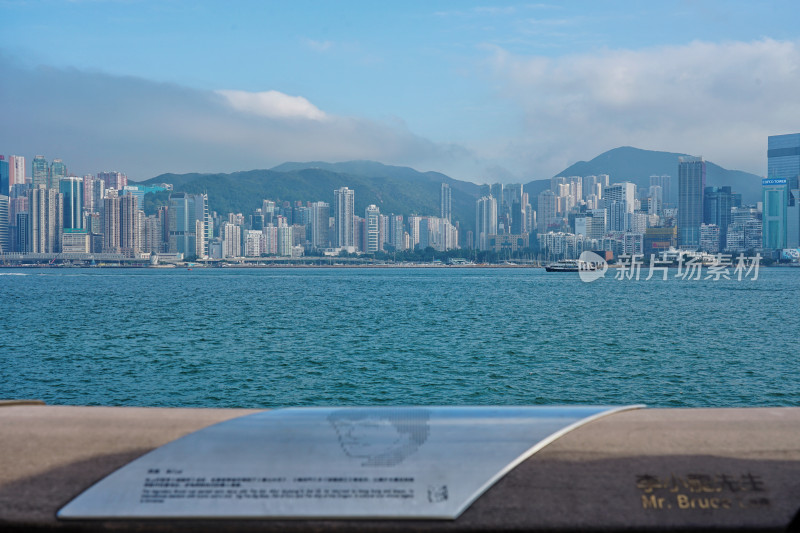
<point x="502" y="91"/>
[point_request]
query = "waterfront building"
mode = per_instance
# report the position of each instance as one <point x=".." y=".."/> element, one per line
<point x="111" y="222"/>
<point x="320" y="225"/>
<point x="485" y="220"/>
<point x="231" y="240"/>
<point x="710" y="238"/>
<point x="185" y="210"/>
<point x="23" y="236"/>
<point x="284" y="240"/>
<point x="507" y="243"/>
<point x="5" y="236"/>
<point x="775" y="202"/>
<point x="75" y="241"/>
<point x="153" y="234"/>
<point x="372" y="229"/>
<point x="46" y="220"/>
<point x="344" y="217"/>
<point x="129" y="226"/>
<point x="691" y="186"/>
<point x="252" y="242"/>
<point x="40" y="172"/>
<point x="657" y="240"/>
<point x="717" y="203"/>
<point x="781" y="192"/>
<point x="72" y="190"/>
<point x="269" y="240"/>
<point x="547" y="213"/>
<point x="446" y="202"/>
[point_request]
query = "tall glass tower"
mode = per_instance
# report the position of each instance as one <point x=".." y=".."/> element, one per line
<point x="344" y="213"/>
<point x="780" y="197"/>
<point x="691" y="185"/>
<point x="72" y="189"/>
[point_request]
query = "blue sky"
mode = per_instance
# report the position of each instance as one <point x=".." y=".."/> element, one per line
<point x="479" y="90"/>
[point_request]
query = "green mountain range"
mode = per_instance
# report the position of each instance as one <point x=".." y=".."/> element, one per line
<point x="633" y="164"/>
<point x="403" y="190"/>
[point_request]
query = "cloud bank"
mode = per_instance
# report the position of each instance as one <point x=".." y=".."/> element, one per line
<point x="95" y="121"/>
<point x="716" y="100"/>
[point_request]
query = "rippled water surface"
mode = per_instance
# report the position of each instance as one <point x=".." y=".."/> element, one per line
<point x="343" y="336"/>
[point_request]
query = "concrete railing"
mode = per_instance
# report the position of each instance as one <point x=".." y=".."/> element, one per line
<point x="650" y="469"/>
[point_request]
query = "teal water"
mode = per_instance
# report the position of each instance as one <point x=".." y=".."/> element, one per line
<point x="289" y="337"/>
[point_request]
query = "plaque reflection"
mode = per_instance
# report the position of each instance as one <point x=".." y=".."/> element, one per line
<point x="381" y="437"/>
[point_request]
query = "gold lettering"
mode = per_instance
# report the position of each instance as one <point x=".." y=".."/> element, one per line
<point x="651" y="502"/>
<point x="703" y="503"/>
<point x="683" y="501"/>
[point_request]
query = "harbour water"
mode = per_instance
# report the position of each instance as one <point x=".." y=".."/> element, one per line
<point x="389" y="336"/>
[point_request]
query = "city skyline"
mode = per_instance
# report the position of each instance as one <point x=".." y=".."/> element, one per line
<point x="503" y="93"/>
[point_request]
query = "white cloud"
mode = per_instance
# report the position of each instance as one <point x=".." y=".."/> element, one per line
<point x="720" y="100"/>
<point x="319" y="46"/>
<point x="272" y="104"/>
<point x="95" y="121"/>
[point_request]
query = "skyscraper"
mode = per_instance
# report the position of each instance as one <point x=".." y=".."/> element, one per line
<point x="111" y="223"/>
<point x="5" y="237"/>
<point x="344" y="222"/>
<point x="547" y="211"/>
<point x="781" y="194"/>
<point x="371" y="229"/>
<point x="5" y="177"/>
<point x="46" y="220"/>
<point x="663" y="181"/>
<point x="129" y="238"/>
<point x="40" y="172"/>
<point x="17" y="167"/>
<point x="320" y="224"/>
<point x="72" y="189"/>
<point x="485" y="220"/>
<point x="717" y="210"/>
<point x="446" y="201"/>
<point x="691" y="186"/>
<point x="58" y="171"/>
<point x="620" y="201"/>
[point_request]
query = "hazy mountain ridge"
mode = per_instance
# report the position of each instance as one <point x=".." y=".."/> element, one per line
<point x="636" y="165"/>
<point x="404" y="190"/>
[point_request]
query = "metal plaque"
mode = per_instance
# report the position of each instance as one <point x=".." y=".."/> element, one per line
<point x="371" y="462"/>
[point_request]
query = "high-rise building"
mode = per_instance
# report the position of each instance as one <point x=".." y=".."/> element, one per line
<point x="691" y="186"/>
<point x="343" y="213"/>
<point x="372" y="229"/>
<point x="320" y="225"/>
<point x="111" y="222"/>
<point x="485" y="220"/>
<point x="547" y="211"/>
<point x="781" y="192"/>
<point x="5" y="177"/>
<point x="397" y="232"/>
<point x="129" y="226"/>
<point x="58" y="171"/>
<point x="717" y="211"/>
<point x="46" y="220"/>
<point x="72" y="189"/>
<point x="16" y="165"/>
<point x="113" y="180"/>
<point x="5" y="237"/>
<point x="620" y="200"/>
<point x="663" y="181"/>
<point x="446" y="202"/>
<point x="655" y="200"/>
<point x="40" y="172"/>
